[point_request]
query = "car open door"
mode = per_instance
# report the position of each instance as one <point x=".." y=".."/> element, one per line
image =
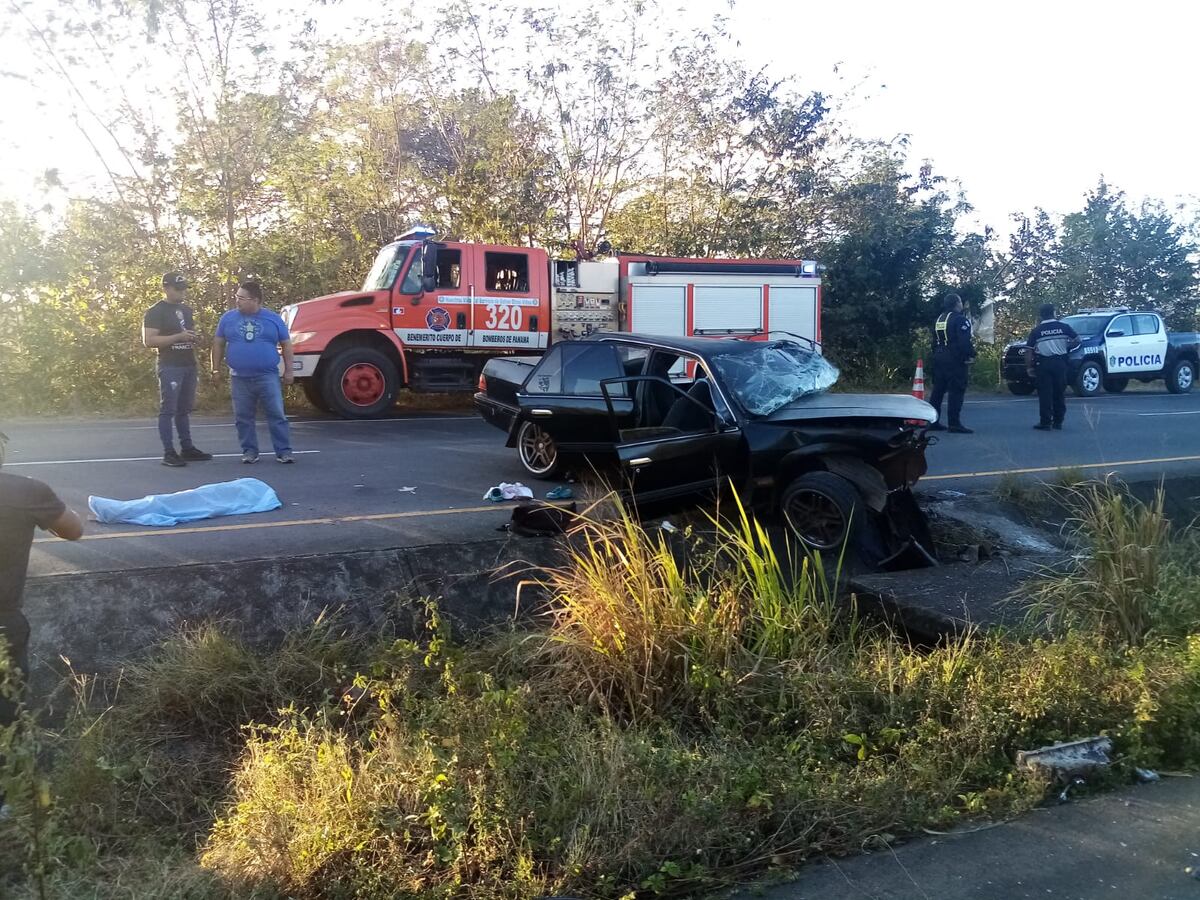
<point x="689" y="453"/>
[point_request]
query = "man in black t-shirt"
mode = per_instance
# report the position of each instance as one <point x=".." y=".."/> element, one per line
<point x="170" y="329"/>
<point x="25" y="504"/>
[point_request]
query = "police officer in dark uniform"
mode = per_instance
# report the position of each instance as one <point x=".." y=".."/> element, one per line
<point x="953" y="352"/>
<point x="1046" y="356"/>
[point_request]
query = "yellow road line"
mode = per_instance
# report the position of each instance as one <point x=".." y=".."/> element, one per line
<point x="332" y="520"/>
<point x="1041" y="469"/>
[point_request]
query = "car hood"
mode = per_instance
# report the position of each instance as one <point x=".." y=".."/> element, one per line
<point x="866" y="406"/>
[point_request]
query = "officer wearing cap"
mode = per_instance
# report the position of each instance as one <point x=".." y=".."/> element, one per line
<point x="953" y="352"/>
<point x="1046" y="357"/>
<point x="169" y="328"/>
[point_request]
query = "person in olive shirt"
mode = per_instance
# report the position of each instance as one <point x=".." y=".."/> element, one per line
<point x="170" y="329"/>
<point x="25" y="504"/>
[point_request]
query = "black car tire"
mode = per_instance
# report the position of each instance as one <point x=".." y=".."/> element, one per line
<point x="1115" y="385"/>
<point x="1181" y="377"/>
<point x="313" y="394"/>
<point x="1089" y="379"/>
<point x="538" y="452"/>
<point x="824" y="511"/>
<point x="377" y="393"/>
<point x="1022" y="388"/>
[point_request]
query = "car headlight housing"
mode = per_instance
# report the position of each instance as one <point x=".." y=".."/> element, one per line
<point x="300" y="337"/>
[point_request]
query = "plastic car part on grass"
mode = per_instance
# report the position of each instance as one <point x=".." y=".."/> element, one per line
<point x="773" y="375"/>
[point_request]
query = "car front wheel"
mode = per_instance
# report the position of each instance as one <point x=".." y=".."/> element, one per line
<point x="822" y="510"/>
<point x="539" y="454"/>
<point x="1089" y="380"/>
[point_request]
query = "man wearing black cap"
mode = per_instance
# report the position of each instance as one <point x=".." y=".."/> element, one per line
<point x="953" y="352"/>
<point x="170" y="329"/>
<point x="1049" y="344"/>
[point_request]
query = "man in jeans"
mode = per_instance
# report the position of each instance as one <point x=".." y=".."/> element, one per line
<point x="25" y="505"/>
<point x="169" y="328"/>
<point x="254" y="336"/>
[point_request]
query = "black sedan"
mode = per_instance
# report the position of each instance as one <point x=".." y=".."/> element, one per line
<point x="682" y="416"/>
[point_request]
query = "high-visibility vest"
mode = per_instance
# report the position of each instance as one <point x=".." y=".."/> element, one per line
<point x="940" y="336"/>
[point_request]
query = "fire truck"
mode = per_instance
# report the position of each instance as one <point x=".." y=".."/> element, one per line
<point x="431" y="313"/>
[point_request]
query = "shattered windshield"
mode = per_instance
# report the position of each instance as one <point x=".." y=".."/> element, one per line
<point x="772" y="375"/>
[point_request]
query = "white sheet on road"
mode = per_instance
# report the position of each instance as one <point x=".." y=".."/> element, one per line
<point x="209" y="501"/>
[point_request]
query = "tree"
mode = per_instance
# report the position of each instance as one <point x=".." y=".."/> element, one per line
<point x="880" y="280"/>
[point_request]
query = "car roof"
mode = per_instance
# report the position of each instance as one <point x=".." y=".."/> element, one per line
<point x="697" y="346"/>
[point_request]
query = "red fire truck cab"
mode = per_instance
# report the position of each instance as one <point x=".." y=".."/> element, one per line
<point x="431" y="313"/>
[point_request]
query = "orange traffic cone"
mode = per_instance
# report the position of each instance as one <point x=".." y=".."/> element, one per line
<point x="918" y="388"/>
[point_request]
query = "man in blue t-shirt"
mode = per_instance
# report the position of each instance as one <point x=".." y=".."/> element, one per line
<point x="250" y="338"/>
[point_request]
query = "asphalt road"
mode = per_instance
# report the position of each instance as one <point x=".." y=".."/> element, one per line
<point x="345" y="491"/>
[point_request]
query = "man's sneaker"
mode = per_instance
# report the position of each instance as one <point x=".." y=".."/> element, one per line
<point x="960" y="429"/>
<point x="249" y="457"/>
<point x="1057" y="426"/>
<point x="1041" y="427"/>
<point x="172" y="459"/>
<point x="194" y="454"/>
<point x="284" y="458"/>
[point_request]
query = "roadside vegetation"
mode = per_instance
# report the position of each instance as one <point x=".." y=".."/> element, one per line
<point x="682" y="718"/>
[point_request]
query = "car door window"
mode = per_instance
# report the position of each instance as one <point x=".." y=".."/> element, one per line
<point x="547" y="377"/>
<point x="1123" y="324"/>
<point x="1145" y="325"/>
<point x="577" y="370"/>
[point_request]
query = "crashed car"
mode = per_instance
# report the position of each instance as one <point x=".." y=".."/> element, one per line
<point x="683" y="416"/>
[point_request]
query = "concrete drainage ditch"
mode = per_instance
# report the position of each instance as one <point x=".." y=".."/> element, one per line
<point x="98" y="621"/>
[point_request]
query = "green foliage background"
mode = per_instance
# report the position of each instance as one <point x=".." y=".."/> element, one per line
<point x="239" y="141"/>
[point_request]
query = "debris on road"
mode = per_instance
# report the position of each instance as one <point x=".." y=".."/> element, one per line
<point x="1071" y="758"/>
<point x="562" y="492"/>
<point x="542" y="519"/>
<point x="406" y="490"/>
<point x="508" y="491"/>
<point x="1146" y="776"/>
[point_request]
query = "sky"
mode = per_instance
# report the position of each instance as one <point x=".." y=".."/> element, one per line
<point x="1026" y="103"/>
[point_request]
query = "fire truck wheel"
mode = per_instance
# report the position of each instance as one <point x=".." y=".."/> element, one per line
<point x="539" y="454"/>
<point x="312" y="393"/>
<point x="360" y="383"/>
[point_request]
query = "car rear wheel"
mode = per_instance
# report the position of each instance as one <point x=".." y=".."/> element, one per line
<point x="1089" y="380"/>
<point x="1181" y="377"/>
<point x="822" y="510"/>
<point x="1021" y="388"/>
<point x="360" y="383"/>
<point x="1115" y="385"/>
<point x="539" y="454"/>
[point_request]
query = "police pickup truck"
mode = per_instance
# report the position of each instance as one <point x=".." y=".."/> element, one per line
<point x="1116" y="345"/>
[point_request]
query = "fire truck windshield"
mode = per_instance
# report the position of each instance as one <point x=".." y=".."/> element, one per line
<point x="387" y="266"/>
